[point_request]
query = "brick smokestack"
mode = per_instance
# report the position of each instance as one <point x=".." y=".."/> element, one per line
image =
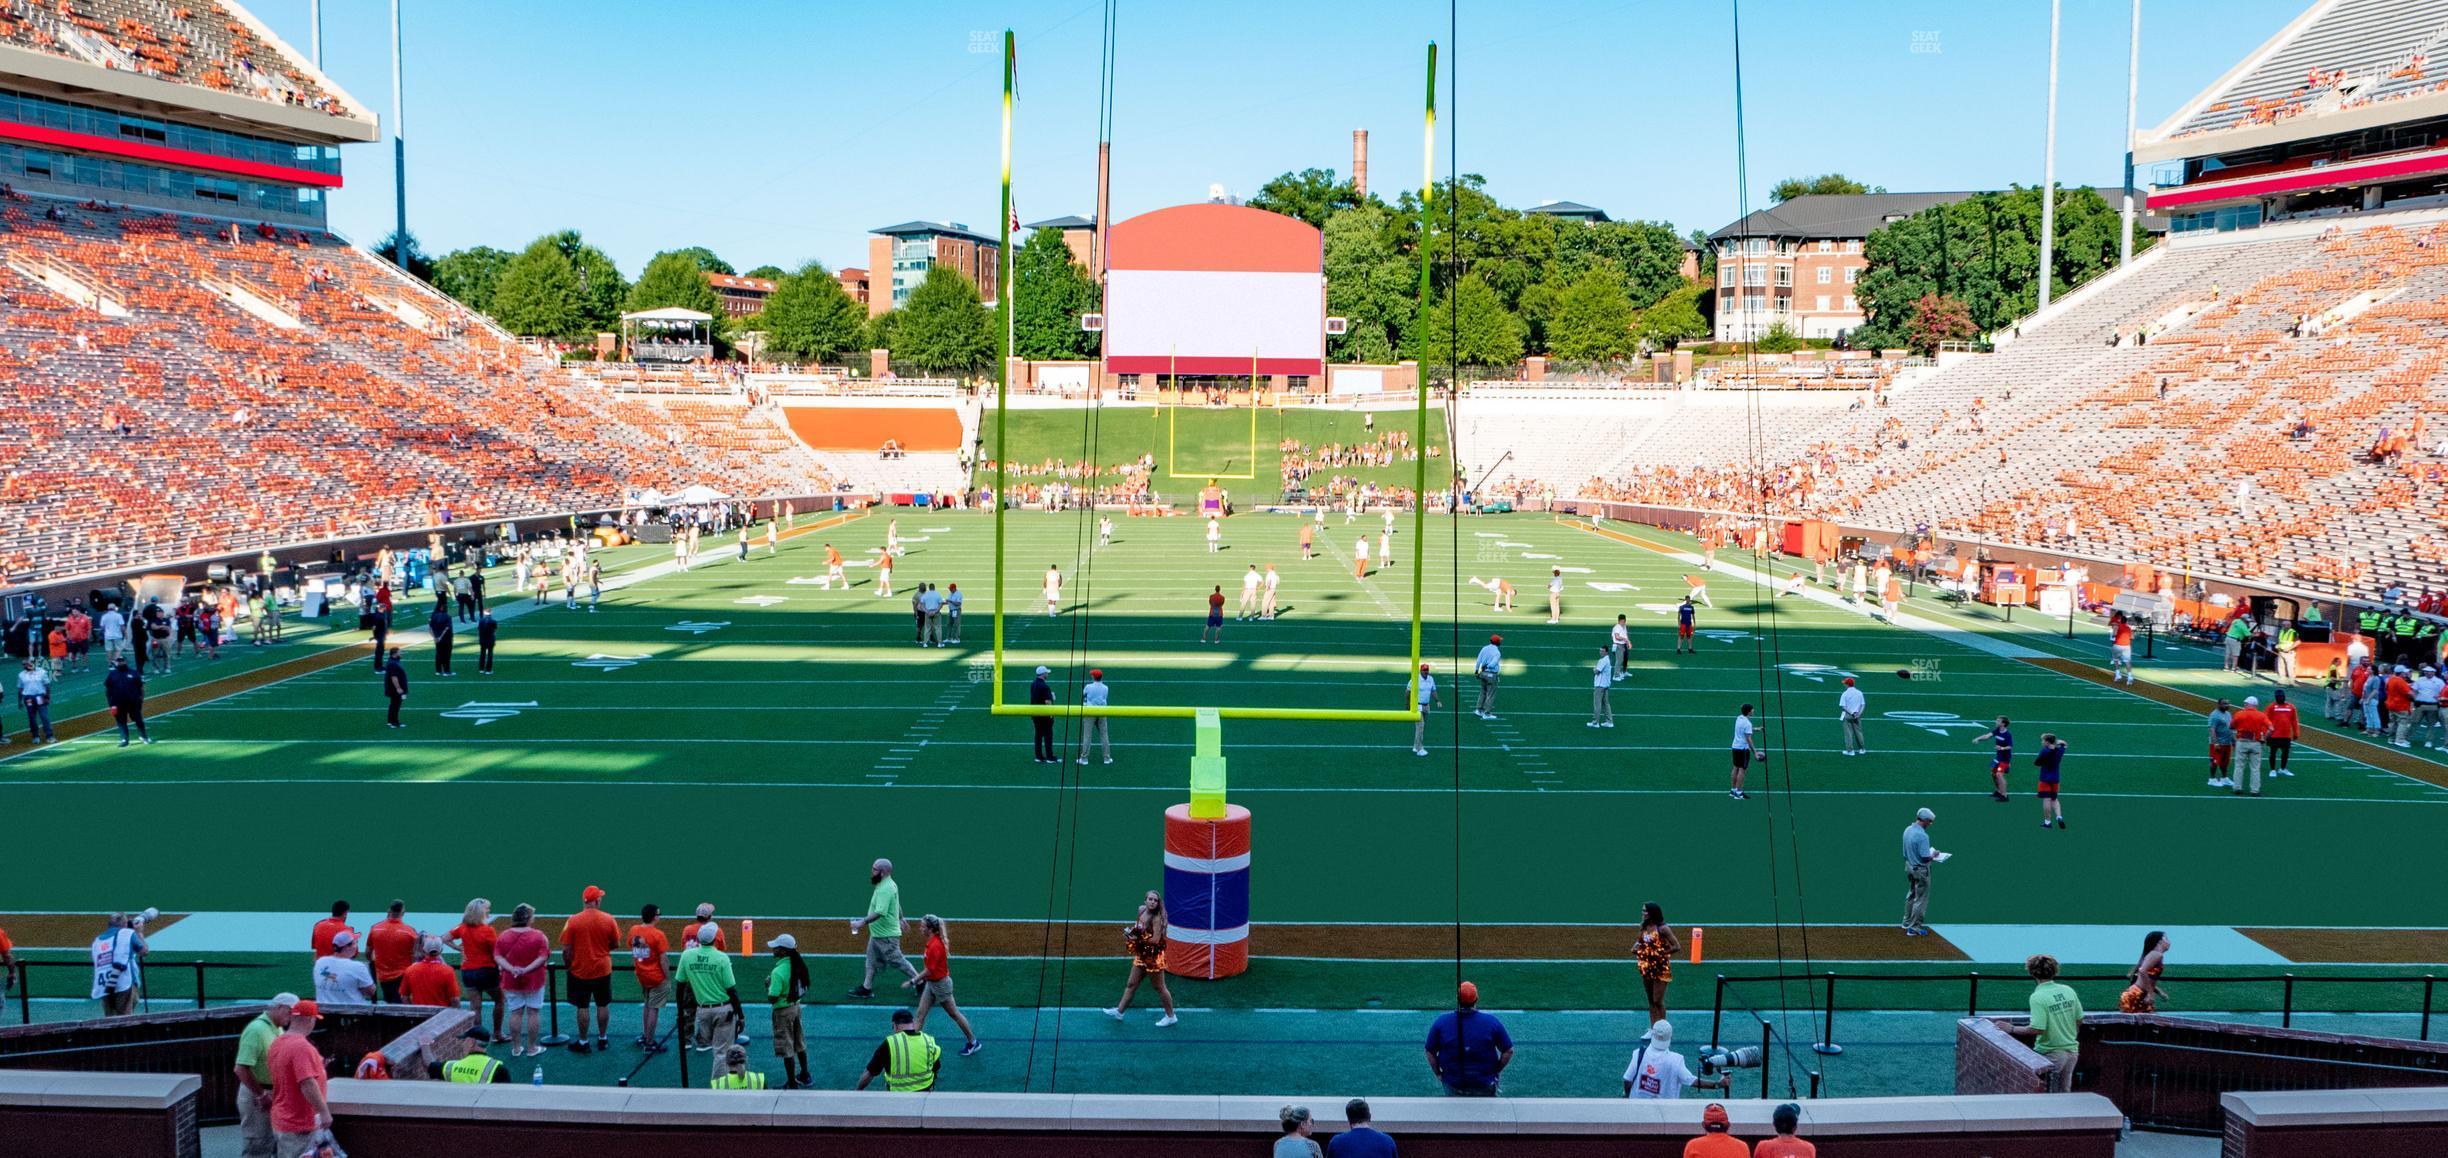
<point x="1359" y="169"/>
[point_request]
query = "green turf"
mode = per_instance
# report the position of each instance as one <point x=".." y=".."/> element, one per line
<point x="1190" y="442"/>
<point x="753" y="763"/>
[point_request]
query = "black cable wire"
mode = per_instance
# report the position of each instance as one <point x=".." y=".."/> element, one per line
<point x="1453" y="397"/>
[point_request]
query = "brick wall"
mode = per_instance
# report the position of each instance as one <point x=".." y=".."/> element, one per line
<point x="1989" y="1061"/>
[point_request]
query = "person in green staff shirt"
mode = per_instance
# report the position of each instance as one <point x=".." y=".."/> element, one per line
<point x="706" y="971"/>
<point x="784" y="988"/>
<point x="2056" y="1023"/>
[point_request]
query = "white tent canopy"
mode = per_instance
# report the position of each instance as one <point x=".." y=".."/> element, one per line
<point x="699" y="493"/>
<point x="667" y="314"/>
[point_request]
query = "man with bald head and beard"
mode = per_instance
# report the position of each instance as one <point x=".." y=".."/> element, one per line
<point x="882" y="924"/>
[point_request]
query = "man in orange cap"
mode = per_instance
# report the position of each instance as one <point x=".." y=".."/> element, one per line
<point x="1468" y="1050"/>
<point x="300" y="1107"/>
<point x="586" y="951"/>
<point x="1716" y="1139"/>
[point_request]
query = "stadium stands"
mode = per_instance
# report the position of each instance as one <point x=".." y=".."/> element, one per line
<point x="219" y="388"/>
<point x="2356" y="52"/>
<point x="2214" y="409"/>
<point x="197" y="42"/>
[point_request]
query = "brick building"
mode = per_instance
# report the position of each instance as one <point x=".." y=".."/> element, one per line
<point x="740" y="296"/>
<point x="908" y="250"/>
<point x="853" y="282"/>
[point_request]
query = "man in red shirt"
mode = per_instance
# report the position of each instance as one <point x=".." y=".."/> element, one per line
<point x="2284" y="728"/>
<point x="328" y="926"/>
<point x="299" y="1083"/>
<point x="647" y="948"/>
<point x="392" y="945"/>
<point x="2399" y="700"/>
<point x="431" y="981"/>
<point x="523" y="955"/>
<point x="586" y="950"/>
<point x="2252" y="730"/>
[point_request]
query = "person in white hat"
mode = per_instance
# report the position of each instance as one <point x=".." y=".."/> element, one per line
<point x="1659" y="1073"/>
<point x="784" y="988"/>
<point x="1041" y="692"/>
<point x="2428" y="727"/>
<point x="1428" y="702"/>
<point x="1918" y="857"/>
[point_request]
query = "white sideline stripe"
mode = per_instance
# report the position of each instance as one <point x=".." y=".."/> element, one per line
<point x="1207" y="867"/>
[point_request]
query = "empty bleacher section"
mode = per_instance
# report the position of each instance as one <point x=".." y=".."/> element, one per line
<point x="2152" y="418"/>
<point x="191" y="422"/>
<point x="2350" y="53"/>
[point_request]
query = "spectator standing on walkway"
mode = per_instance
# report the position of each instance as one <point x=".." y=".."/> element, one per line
<point x="1658" y="1073"/>
<point x="431" y="981"/>
<point x="934" y="983"/>
<point x="587" y="939"/>
<point x="713" y="989"/>
<point x="1849" y="707"/>
<point x="2056" y="1022"/>
<point x="1361" y="1138"/>
<point x="391" y="946"/>
<point x="524" y="957"/>
<point x="1489" y="668"/>
<point x="118" y="961"/>
<point x="785" y="987"/>
<point x="1918" y="857"/>
<point x="479" y="976"/>
<point x="1095" y="729"/>
<point x="1295" y="1141"/>
<point x="1787" y="1144"/>
<point x="647" y="948"/>
<point x="301" y="1111"/>
<point x="1716" y="1139"/>
<point x="341" y="978"/>
<point x="1469" y="1050"/>
<point x="882" y="924"/>
<point x="254" y="1072"/>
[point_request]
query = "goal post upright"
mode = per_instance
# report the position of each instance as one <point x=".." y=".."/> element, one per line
<point x="1003" y="359"/>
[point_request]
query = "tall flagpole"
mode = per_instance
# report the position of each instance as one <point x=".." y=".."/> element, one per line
<point x="2048" y="166"/>
<point x="1419" y="471"/>
<point x="1003" y="352"/>
<point x="2133" y="92"/>
<point x="399" y="149"/>
<point x="314" y="31"/>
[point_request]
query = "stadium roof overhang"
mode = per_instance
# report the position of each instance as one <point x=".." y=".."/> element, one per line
<point x="2368" y="171"/>
<point x="60" y="76"/>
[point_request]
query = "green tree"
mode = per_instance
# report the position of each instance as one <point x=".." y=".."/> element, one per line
<point x="703" y="258"/>
<point x="1049" y="294"/>
<point x="1313" y="195"/>
<point x="1371" y="283"/>
<point x="1470" y="326"/>
<point x="811" y="318"/>
<point x="1592" y="319"/>
<point x="1984" y="252"/>
<point x="471" y="274"/>
<point x="540" y="295"/>
<point x="416" y="263"/>
<point x="1780" y="339"/>
<point x="944" y="326"/>
<point x="673" y="279"/>
<point x="768" y="272"/>
<point x="1938" y="319"/>
<point x="1821" y="185"/>
<point x="1675" y="318"/>
<point x="881" y="330"/>
<point x="601" y="289"/>
<point x="1644" y="257"/>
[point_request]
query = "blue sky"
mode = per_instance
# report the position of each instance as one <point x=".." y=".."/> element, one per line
<point x="778" y="132"/>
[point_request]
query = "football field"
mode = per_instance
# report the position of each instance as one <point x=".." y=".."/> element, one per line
<point x="744" y="734"/>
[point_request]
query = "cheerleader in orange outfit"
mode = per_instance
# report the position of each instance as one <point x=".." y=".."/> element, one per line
<point x="1145" y="939"/>
<point x="1655" y="953"/>
<point x="2143" y="995"/>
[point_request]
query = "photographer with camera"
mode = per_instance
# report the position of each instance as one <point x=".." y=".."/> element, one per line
<point x="1658" y="1072"/>
<point x="118" y="961"/>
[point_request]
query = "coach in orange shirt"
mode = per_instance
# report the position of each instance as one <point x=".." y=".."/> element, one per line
<point x="586" y="951"/>
<point x="392" y="946"/>
<point x="2252" y="732"/>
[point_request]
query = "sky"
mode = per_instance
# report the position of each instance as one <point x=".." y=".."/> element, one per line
<point x="778" y="132"/>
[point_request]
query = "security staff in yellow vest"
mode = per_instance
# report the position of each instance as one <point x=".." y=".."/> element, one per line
<point x="735" y="1073"/>
<point x="2288" y="641"/>
<point x="474" y="1069"/>
<point x="907" y="1058"/>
